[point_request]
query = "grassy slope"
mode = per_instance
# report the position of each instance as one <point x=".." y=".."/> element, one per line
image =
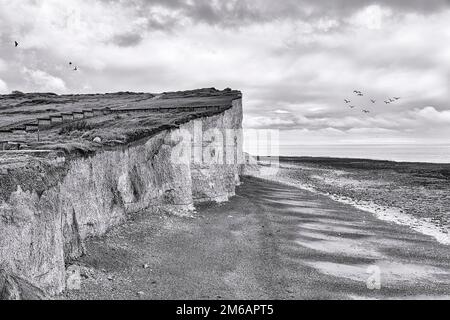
<point x="18" y="109"/>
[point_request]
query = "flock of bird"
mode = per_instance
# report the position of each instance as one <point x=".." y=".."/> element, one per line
<point x="360" y="94"/>
<point x="75" y="68"/>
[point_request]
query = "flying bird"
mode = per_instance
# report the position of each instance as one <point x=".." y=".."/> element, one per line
<point x="351" y="107"/>
<point x="396" y="98"/>
<point x="373" y="101"/>
<point x="387" y="102"/>
<point x="75" y="69"/>
<point x="391" y="100"/>
<point x="360" y="94"/>
<point x="347" y="101"/>
<point x="70" y="63"/>
<point x="16" y="43"/>
<point x="365" y="111"/>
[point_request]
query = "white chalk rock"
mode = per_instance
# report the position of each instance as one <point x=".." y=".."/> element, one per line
<point x="73" y="278"/>
<point x="97" y="139"/>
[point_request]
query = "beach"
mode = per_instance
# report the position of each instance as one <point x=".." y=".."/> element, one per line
<point x="270" y="241"/>
<point x="412" y="194"/>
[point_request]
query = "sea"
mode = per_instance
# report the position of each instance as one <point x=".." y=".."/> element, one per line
<point x="393" y="152"/>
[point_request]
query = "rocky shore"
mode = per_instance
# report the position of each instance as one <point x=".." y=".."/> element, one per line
<point x="417" y="194"/>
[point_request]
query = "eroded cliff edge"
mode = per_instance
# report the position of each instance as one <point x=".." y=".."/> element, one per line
<point x="43" y="229"/>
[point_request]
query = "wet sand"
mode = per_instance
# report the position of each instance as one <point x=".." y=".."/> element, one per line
<point x="419" y="191"/>
<point x="270" y="241"/>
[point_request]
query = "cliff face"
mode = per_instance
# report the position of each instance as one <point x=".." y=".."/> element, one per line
<point x="42" y="230"/>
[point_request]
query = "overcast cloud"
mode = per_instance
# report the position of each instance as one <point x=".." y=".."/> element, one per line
<point x="295" y="61"/>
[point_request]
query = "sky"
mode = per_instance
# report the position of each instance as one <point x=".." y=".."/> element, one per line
<point x="294" y="60"/>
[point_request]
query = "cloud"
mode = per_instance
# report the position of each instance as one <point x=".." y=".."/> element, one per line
<point x="236" y="13"/>
<point x="127" y="39"/>
<point x="43" y="81"/>
<point x="280" y="111"/>
<point x="295" y="60"/>
<point x="261" y="122"/>
<point x="3" y="87"/>
<point x="371" y="130"/>
<point x="431" y="115"/>
<point x="371" y="17"/>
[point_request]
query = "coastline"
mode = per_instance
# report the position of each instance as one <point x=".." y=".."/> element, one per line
<point x="437" y="153"/>
<point x="338" y="183"/>
<point x="270" y="241"/>
<point x="395" y="215"/>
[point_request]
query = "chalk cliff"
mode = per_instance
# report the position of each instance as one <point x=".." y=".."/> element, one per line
<point x="48" y="209"/>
